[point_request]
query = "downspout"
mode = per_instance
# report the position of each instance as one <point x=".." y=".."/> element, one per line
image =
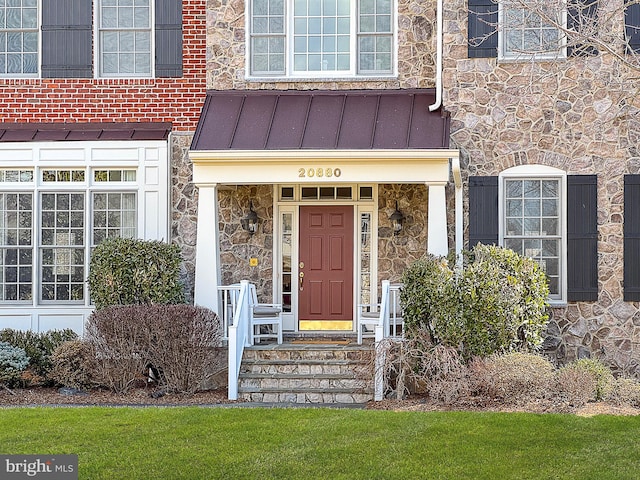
<point x="438" y="101"/>
<point x="457" y="179"/>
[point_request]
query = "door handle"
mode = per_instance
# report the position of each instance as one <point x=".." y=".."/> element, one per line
<point x="301" y="281"/>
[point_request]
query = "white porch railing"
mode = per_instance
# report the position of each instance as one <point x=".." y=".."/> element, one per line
<point x="238" y="332"/>
<point x="235" y="310"/>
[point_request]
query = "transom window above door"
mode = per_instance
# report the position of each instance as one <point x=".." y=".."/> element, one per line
<point x="321" y="38"/>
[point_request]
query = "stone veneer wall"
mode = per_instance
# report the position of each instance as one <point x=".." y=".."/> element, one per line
<point x="226" y="49"/>
<point x="397" y="252"/>
<point x="237" y="246"/>
<point x="184" y="206"/>
<point x="579" y="115"/>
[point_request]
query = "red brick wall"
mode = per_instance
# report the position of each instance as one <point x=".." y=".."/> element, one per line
<point x="176" y="100"/>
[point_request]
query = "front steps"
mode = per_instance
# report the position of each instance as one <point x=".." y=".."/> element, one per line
<point x="307" y="373"/>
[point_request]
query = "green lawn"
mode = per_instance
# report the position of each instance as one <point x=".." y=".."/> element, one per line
<point x="210" y="443"/>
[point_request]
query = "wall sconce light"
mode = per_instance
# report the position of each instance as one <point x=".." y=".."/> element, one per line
<point x="250" y="221"/>
<point x="396" y="219"/>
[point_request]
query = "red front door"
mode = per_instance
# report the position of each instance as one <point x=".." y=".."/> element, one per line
<point x="325" y="296"/>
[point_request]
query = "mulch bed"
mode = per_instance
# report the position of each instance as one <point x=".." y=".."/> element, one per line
<point x="149" y="397"/>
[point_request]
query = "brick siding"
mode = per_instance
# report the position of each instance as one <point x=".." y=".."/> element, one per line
<point x="175" y="100"/>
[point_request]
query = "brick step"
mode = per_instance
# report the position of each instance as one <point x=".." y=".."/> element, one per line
<point x="306" y="373"/>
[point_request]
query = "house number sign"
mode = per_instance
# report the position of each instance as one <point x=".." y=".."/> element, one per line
<point x="319" y="172"/>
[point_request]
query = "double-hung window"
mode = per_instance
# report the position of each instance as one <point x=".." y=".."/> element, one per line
<point x="524" y="33"/>
<point x="509" y="31"/>
<point x="321" y="38"/>
<point x="532" y="224"/>
<point x="19" y="37"/>
<point x="125" y="38"/>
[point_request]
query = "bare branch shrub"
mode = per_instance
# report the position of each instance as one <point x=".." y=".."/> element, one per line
<point x="184" y="345"/>
<point x="415" y="365"/>
<point x="74" y="365"/>
<point x="179" y="341"/>
<point x="512" y="378"/>
<point x="118" y="336"/>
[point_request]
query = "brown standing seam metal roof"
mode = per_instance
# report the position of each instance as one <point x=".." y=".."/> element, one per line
<point x="52" y="132"/>
<point x="323" y="120"/>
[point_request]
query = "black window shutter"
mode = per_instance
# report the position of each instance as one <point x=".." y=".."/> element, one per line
<point x="631" y="238"/>
<point x="483" y="29"/>
<point x="582" y="15"/>
<point x="168" y="31"/>
<point x="483" y="211"/>
<point x="67" y="39"/>
<point x="632" y="26"/>
<point x="582" y="238"/>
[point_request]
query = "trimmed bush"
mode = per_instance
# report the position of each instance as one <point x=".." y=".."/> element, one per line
<point x="13" y="361"/>
<point x="574" y="386"/>
<point x="625" y="391"/>
<point x="602" y="379"/>
<point x="74" y="365"/>
<point x="178" y="341"/>
<point x="126" y="271"/>
<point x="496" y="303"/>
<point x="38" y="346"/>
<point x="513" y="378"/>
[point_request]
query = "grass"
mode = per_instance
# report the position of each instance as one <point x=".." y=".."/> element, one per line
<point x="219" y="443"/>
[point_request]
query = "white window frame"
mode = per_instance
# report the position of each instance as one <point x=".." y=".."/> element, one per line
<point x="97" y="50"/>
<point x="352" y="73"/>
<point x="150" y="160"/>
<point x="537" y="172"/>
<point x="38" y="52"/>
<point x="504" y="54"/>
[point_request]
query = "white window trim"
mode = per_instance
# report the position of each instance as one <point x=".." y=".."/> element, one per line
<point x="350" y="75"/>
<point x="97" y="70"/>
<point x="552" y="55"/>
<point x="38" y="30"/>
<point x="149" y="158"/>
<point x="527" y="172"/>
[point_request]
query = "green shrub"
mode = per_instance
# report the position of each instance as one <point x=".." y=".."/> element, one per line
<point x="179" y="341"/>
<point x="39" y="346"/>
<point x="74" y="365"/>
<point x="603" y="381"/>
<point x="126" y="271"/>
<point x="496" y="303"/>
<point x="13" y="361"/>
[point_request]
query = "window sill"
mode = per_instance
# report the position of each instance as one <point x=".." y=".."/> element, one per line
<point x="558" y="303"/>
<point x="351" y="79"/>
<point x="532" y="58"/>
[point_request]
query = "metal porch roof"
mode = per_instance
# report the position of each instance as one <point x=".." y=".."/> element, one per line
<point x="321" y="120"/>
<point x="51" y="132"/>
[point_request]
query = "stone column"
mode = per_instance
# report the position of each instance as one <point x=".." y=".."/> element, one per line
<point x="207" y="249"/>
<point x="437" y="242"/>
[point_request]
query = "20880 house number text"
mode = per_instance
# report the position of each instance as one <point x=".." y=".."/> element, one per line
<point x="319" y="172"/>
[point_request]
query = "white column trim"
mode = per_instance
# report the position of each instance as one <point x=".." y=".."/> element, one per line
<point x="207" y="276"/>
<point x="437" y="242"/>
